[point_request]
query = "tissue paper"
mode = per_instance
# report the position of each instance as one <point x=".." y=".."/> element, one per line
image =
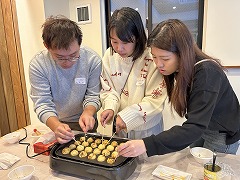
<point x="7" y="160"/>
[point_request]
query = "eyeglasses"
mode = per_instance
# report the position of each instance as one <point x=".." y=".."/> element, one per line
<point x="71" y="59"/>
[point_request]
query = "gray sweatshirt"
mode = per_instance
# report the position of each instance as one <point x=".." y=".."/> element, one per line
<point x="64" y="92"/>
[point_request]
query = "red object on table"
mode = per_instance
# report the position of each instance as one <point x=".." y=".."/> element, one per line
<point x="37" y="132"/>
<point x="40" y="147"/>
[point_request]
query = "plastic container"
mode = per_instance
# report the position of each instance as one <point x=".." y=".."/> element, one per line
<point x="12" y="138"/>
<point x="24" y="172"/>
<point x="201" y="155"/>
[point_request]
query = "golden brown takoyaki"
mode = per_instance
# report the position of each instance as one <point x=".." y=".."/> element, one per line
<point x="92" y="156"/>
<point x="66" y="150"/>
<point x="101" y="158"/>
<point x="106" y="152"/>
<point x="80" y="147"/>
<point x="74" y="152"/>
<point x="82" y="154"/>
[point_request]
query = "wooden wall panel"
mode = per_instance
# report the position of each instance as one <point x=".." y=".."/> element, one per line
<point x="12" y="76"/>
<point x="6" y="89"/>
<point x="24" y="98"/>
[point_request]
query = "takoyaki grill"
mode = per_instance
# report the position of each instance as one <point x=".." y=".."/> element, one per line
<point x="93" y="156"/>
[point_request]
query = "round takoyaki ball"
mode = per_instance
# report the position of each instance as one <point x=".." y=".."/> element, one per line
<point x="88" y="149"/>
<point x="66" y="150"/>
<point x="114" y="154"/>
<point x="82" y="154"/>
<point x="98" y="141"/>
<point x="82" y="139"/>
<point x="92" y="156"/>
<point x="105" y="142"/>
<point x="114" y="143"/>
<point x="77" y="143"/>
<point x="80" y="147"/>
<point x="110" y="148"/>
<point x="101" y="146"/>
<point x="74" y="152"/>
<point x="97" y="151"/>
<point x="101" y="158"/>
<point x="85" y="143"/>
<point x="90" y="140"/>
<point x="111" y="160"/>
<point x="117" y="147"/>
<point x="106" y="152"/>
<point x="94" y="145"/>
<point x="72" y="146"/>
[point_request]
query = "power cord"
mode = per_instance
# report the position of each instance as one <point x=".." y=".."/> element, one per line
<point x="28" y="144"/>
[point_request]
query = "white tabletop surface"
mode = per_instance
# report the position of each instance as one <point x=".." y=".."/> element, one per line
<point x="181" y="160"/>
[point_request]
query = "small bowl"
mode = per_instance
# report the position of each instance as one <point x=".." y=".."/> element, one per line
<point x="201" y="155"/>
<point x="24" y="172"/>
<point x="12" y="138"/>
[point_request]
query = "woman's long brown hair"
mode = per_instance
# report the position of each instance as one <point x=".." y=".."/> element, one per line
<point x="173" y="35"/>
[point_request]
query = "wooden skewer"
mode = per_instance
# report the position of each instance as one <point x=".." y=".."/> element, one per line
<point x="103" y="134"/>
<point x="111" y="137"/>
<point x="75" y="140"/>
<point x="85" y="137"/>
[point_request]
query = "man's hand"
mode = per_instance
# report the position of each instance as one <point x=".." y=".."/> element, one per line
<point x="62" y="131"/>
<point x="132" y="148"/>
<point x="86" y="120"/>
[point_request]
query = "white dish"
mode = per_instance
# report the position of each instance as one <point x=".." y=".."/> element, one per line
<point x="42" y="132"/>
<point x="24" y="172"/>
<point x="12" y="138"/>
<point x="201" y="155"/>
<point x="165" y="172"/>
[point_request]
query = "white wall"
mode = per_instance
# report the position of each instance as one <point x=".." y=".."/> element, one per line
<point x="92" y="32"/>
<point x="222" y="27"/>
<point x="30" y="18"/>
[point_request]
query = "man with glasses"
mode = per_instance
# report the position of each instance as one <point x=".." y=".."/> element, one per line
<point x="65" y="80"/>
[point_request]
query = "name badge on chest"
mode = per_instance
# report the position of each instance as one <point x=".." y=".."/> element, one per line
<point x="140" y="81"/>
<point x="80" y="80"/>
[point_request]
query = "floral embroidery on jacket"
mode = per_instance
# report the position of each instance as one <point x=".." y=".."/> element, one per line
<point x="116" y="74"/>
<point x="158" y="92"/>
<point x="144" y="72"/>
<point x="125" y="92"/>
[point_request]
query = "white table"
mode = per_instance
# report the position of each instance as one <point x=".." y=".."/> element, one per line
<point x="181" y="160"/>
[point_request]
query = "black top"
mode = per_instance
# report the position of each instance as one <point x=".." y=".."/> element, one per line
<point x="212" y="105"/>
